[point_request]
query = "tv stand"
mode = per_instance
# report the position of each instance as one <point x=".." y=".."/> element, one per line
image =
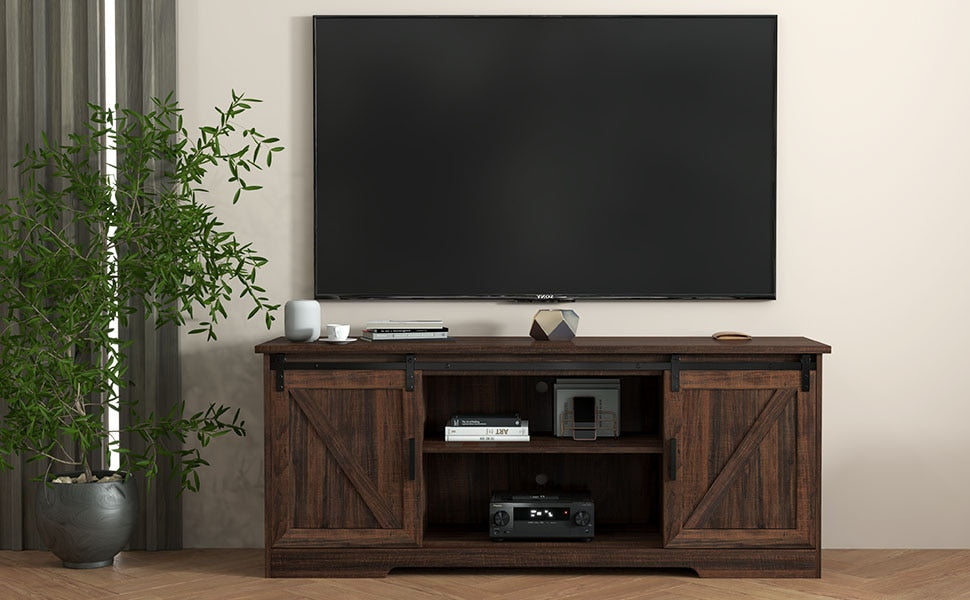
<point x="716" y="467"/>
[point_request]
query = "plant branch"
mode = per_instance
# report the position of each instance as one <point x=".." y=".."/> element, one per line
<point x="72" y="261"/>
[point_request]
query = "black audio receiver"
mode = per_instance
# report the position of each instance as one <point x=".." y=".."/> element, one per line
<point x="524" y="515"/>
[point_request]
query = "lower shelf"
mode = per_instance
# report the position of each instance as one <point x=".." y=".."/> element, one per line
<point x="606" y="537"/>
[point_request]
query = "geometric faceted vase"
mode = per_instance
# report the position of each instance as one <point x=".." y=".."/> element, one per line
<point x="555" y="324"/>
<point x="86" y="524"/>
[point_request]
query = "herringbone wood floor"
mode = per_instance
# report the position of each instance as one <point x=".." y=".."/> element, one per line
<point x="238" y="575"/>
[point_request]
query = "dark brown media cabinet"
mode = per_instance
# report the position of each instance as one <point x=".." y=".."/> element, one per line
<point x="716" y="468"/>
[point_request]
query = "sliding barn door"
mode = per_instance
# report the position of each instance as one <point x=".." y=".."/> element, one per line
<point x="742" y="460"/>
<point x="346" y="457"/>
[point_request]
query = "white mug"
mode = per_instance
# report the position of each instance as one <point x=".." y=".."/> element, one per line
<point x="301" y="320"/>
<point x="337" y="332"/>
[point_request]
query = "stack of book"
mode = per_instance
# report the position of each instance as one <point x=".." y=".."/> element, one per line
<point x="487" y="428"/>
<point x="404" y="330"/>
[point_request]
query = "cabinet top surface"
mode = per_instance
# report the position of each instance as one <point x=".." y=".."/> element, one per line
<point x="529" y="346"/>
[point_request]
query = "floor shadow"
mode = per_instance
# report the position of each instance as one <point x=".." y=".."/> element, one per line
<point x="237" y="562"/>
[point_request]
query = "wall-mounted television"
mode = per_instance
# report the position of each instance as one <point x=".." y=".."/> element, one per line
<point x="544" y="157"/>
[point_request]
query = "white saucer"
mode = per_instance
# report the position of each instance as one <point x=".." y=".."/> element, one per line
<point x="346" y="341"/>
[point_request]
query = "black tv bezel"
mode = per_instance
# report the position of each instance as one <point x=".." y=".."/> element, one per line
<point x="552" y="296"/>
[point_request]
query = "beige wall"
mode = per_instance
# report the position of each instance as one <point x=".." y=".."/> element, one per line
<point x="873" y="250"/>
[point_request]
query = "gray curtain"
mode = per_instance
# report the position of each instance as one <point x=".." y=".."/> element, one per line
<point x="146" y="69"/>
<point x="52" y="67"/>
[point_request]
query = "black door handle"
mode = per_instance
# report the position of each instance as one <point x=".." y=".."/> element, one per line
<point x="411" y="458"/>
<point x="672" y="458"/>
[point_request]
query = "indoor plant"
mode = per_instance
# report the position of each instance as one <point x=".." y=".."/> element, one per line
<point x="80" y="249"/>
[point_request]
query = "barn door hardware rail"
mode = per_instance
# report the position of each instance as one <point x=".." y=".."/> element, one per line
<point x="279" y="364"/>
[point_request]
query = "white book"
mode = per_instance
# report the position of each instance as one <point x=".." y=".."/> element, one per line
<point x="419" y="324"/>
<point x="486" y="438"/>
<point x="406" y="335"/>
<point x="491" y="430"/>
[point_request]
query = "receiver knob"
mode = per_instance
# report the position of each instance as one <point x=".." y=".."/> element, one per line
<point x="501" y="518"/>
<point x="582" y="518"/>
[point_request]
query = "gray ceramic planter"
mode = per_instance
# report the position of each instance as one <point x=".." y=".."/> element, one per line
<point x="86" y="524"/>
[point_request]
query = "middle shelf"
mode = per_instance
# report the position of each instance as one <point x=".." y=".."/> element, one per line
<point x="548" y="444"/>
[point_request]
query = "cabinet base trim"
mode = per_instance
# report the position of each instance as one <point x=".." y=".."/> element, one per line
<point x="378" y="562"/>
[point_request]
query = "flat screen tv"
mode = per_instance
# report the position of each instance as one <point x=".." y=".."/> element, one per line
<point x="544" y="157"/>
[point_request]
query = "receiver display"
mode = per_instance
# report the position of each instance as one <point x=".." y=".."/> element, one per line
<point x="528" y="513"/>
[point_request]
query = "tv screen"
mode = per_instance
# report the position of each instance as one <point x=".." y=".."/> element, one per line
<point x="540" y="157"/>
